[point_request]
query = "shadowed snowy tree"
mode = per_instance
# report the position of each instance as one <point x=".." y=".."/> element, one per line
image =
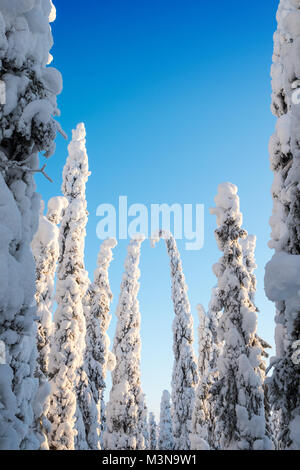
<point x="282" y="273"/>
<point x="45" y="249"/>
<point x="66" y="359"/>
<point x="98" y="358"/>
<point x="144" y="439"/>
<point x="27" y="127"/>
<point x="239" y="405"/>
<point x="124" y="411"/>
<point x="152" y="432"/>
<point x="165" y="438"/>
<point x="203" y="419"/>
<point x="185" y="376"/>
<point x="248" y="246"/>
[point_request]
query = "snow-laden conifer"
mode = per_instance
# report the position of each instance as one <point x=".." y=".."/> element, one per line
<point x="185" y="376"/>
<point x="239" y="405"/>
<point x="203" y="419"/>
<point x="45" y="249"/>
<point x="125" y="406"/>
<point x="165" y="434"/>
<point x="144" y="438"/>
<point x="248" y="245"/>
<point x="98" y="358"/>
<point x="152" y="432"/>
<point x="66" y="359"/>
<point x="282" y="273"/>
<point x="27" y="127"/>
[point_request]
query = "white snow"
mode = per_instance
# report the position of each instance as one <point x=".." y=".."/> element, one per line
<point x="282" y="276"/>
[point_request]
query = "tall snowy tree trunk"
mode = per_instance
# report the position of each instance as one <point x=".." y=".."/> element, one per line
<point x="165" y="437"/>
<point x="26" y="128"/>
<point x="202" y="437"/>
<point x="124" y="412"/>
<point x="152" y="432"/>
<point x="66" y="359"/>
<point x="248" y="246"/>
<point x="283" y="271"/>
<point x="185" y="376"/>
<point x="45" y="249"/>
<point x="98" y="358"/>
<point x="239" y="405"/>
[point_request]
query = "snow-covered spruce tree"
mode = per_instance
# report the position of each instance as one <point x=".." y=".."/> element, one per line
<point x="152" y="432"/>
<point x="184" y="376"/>
<point x="165" y="436"/>
<point x="282" y="273"/>
<point x="248" y="245"/>
<point x="45" y="249"/>
<point x="98" y="358"/>
<point x="202" y="435"/>
<point x="144" y="438"/>
<point x="124" y="411"/>
<point x="239" y="404"/>
<point x="66" y="358"/>
<point x="27" y="127"/>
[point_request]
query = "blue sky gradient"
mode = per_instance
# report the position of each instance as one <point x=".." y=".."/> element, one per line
<point x="175" y="96"/>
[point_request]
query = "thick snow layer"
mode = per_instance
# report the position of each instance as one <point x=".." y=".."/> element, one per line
<point x="282" y="276"/>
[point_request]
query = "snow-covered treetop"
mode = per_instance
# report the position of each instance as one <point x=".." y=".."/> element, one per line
<point x="75" y="173"/>
<point x="227" y="204"/>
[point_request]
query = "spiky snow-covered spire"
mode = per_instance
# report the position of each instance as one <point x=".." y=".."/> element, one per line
<point x="124" y="411"/>
<point x="165" y="437"/>
<point x="67" y="353"/>
<point x="239" y="405"/>
<point x="203" y="418"/>
<point x="98" y="358"/>
<point x="45" y="249"/>
<point x="185" y="376"/>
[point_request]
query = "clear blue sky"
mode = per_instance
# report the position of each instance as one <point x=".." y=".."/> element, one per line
<point x="175" y="96"/>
